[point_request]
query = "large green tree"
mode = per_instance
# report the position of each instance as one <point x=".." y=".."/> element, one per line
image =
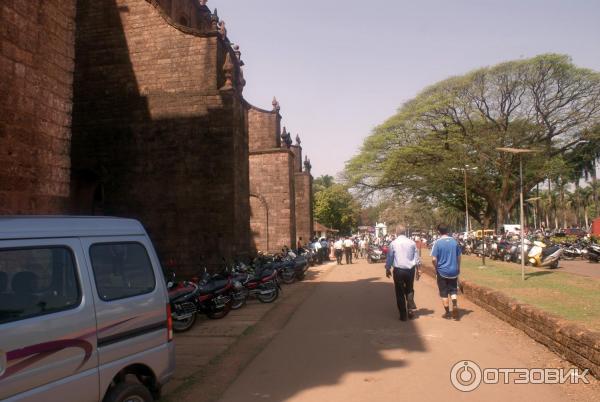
<point x="336" y="208"/>
<point x="545" y="103"/>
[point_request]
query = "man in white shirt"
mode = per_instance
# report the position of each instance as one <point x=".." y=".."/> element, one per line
<point x="403" y="257"/>
<point x="338" y="248"/>
<point x="348" y="243"/>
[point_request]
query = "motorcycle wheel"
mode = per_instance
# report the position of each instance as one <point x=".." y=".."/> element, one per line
<point x="554" y="265"/>
<point x="270" y="298"/>
<point x="185" y="324"/>
<point x="288" y="278"/>
<point x="369" y="260"/>
<point x="218" y="314"/>
<point x="239" y="300"/>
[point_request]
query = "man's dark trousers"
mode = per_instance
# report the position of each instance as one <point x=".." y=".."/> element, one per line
<point x="403" y="282"/>
<point x="348" y="252"/>
<point x="338" y="255"/>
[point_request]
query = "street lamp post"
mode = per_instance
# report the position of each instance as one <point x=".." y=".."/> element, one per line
<point x="520" y="152"/>
<point x="464" y="169"/>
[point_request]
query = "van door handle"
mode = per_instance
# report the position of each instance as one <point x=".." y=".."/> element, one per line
<point x="2" y="362"/>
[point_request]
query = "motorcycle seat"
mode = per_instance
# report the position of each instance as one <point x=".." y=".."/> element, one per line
<point x="549" y="250"/>
<point x="213" y="286"/>
<point x="181" y="291"/>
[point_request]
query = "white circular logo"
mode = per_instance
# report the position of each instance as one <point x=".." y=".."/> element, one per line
<point x="465" y="376"/>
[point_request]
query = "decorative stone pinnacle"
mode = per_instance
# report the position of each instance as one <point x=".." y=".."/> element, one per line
<point x="238" y="53"/>
<point x="307" y="165"/>
<point x="298" y="139"/>
<point x="228" y="69"/>
<point x="275" y="104"/>
<point x="286" y="138"/>
<point x="222" y="29"/>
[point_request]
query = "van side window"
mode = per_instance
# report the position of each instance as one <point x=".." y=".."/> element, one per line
<point x="37" y="281"/>
<point x="121" y="270"/>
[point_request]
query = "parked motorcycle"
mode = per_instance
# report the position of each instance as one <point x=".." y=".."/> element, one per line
<point x="542" y="255"/>
<point x="375" y="254"/>
<point x="592" y="252"/>
<point x="212" y="296"/>
<point x="261" y="283"/>
<point x="573" y="251"/>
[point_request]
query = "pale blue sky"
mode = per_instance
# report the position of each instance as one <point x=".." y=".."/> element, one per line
<point x="341" y="67"/>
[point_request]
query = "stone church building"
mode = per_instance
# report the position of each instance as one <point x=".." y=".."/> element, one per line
<point x="135" y="108"/>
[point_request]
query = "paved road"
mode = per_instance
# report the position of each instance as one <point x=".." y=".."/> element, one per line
<point x="345" y="343"/>
<point x="580" y="267"/>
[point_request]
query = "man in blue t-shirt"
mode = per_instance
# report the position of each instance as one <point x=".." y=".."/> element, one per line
<point x="445" y="255"/>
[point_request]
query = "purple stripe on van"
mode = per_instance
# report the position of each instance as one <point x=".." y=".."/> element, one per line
<point x="34" y="353"/>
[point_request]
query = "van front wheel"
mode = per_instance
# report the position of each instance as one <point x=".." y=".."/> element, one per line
<point x="129" y="392"/>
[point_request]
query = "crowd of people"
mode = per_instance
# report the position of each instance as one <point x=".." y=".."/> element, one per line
<point x="403" y="260"/>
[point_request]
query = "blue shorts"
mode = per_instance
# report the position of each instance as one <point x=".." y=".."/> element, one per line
<point x="447" y="286"/>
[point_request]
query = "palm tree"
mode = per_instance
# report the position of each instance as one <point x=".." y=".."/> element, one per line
<point x="587" y="198"/>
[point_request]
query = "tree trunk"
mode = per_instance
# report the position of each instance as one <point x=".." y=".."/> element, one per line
<point x="577" y="204"/>
<point x="587" y="219"/>
<point x="595" y="188"/>
<point x="562" y="203"/>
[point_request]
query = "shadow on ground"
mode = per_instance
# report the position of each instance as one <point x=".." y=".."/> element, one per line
<point x="343" y="328"/>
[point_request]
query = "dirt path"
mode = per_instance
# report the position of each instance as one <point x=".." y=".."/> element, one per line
<point x="345" y="343"/>
<point x="580" y="267"/>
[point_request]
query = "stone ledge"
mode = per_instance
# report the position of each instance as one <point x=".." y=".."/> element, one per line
<point x="271" y="151"/>
<point x="570" y="341"/>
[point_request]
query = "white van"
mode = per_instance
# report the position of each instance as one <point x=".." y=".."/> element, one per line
<point x="84" y="311"/>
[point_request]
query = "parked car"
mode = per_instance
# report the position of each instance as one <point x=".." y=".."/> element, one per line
<point x="84" y="311"/>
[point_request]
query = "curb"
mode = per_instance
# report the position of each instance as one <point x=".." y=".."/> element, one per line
<point x="570" y="341"/>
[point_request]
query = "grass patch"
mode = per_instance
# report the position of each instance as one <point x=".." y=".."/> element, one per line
<point x="572" y="297"/>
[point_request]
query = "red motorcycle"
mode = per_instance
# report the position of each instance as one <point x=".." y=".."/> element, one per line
<point x="262" y="284"/>
<point x="212" y="295"/>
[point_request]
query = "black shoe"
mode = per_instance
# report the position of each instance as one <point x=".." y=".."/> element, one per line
<point x="447" y="315"/>
<point x="403" y="319"/>
<point x="455" y="313"/>
<point x="411" y="315"/>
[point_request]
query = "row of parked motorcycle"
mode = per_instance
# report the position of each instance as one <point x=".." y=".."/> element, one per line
<point x="538" y="253"/>
<point x="216" y="294"/>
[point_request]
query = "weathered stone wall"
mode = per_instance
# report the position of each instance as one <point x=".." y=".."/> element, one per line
<point x="272" y="181"/>
<point x="36" y="74"/>
<point x="159" y="128"/>
<point x="297" y="150"/>
<point x="304" y="211"/>
<point x="264" y="128"/>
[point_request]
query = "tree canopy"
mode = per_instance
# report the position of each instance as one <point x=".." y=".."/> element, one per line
<point x="334" y="206"/>
<point x="545" y="103"/>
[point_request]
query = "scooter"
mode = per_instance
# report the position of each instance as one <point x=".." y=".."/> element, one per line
<point x="542" y="255"/>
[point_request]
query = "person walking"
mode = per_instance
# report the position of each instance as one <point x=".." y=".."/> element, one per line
<point x="403" y="257"/>
<point x="338" y="248"/>
<point x="348" y="243"/>
<point x="445" y="256"/>
<point x="362" y="244"/>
